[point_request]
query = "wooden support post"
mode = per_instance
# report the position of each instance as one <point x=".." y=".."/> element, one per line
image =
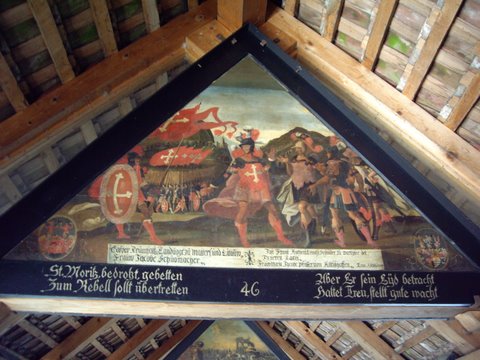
<point x="234" y="13"/>
<point x="51" y="36"/>
<point x="10" y="86"/>
<point x="150" y="13"/>
<point x="439" y="30"/>
<point x="378" y="32"/>
<point x="101" y="16"/>
<point x="125" y="106"/>
<point x="332" y="19"/>
<point x="317" y="345"/>
<point x="283" y="344"/>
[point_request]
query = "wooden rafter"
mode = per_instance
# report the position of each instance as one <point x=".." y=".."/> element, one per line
<point x="416" y="339"/>
<point x="462" y="344"/>
<point x="79" y="339"/>
<point x="317" y="345"/>
<point x="10" y="86"/>
<point x="332" y="19"/>
<point x="368" y="340"/>
<point x="461" y="105"/>
<point x="51" y="36"/>
<point x="150" y="13"/>
<point x="439" y="29"/>
<point x="291" y="6"/>
<point x="174" y="340"/>
<point x="384" y="14"/>
<point x="280" y="341"/>
<point x="141" y="337"/>
<point x="116" y="77"/>
<point x="103" y="23"/>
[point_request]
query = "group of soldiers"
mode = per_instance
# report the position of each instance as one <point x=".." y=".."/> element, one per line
<point x="336" y="181"/>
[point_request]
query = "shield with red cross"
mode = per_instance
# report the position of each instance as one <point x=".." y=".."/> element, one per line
<point x="119" y="193"/>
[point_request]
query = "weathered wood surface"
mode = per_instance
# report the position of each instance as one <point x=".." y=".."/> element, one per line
<point x="111" y="80"/>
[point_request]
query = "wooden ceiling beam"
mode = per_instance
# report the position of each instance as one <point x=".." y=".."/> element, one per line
<point x="8" y="318"/>
<point x="368" y="340"/>
<point x="150" y="13"/>
<point x="199" y="42"/>
<point x="315" y="343"/>
<point x="159" y="309"/>
<point x="141" y="337"/>
<point x="280" y="341"/>
<point x="383" y="17"/>
<point x="332" y="19"/>
<point x="101" y="86"/>
<point x="51" y="36"/>
<point x="79" y="339"/>
<point x="177" y="338"/>
<point x="10" y="86"/>
<point x="103" y="23"/>
<point x="444" y="18"/>
<point x="416" y="339"/>
<point x="234" y="13"/>
<point x="378" y="103"/>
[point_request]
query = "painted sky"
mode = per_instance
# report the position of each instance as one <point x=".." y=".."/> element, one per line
<point x="222" y="334"/>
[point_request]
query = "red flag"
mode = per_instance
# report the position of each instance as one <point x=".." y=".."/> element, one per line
<point x="181" y="156"/>
<point x="188" y="122"/>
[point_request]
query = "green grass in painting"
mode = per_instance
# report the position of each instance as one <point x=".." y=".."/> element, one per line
<point x="83" y="36"/>
<point x="68" y="8"/>
<point x="128" y="10"/>
<point x="21" y="32"/>
<point x="396" y="42"/>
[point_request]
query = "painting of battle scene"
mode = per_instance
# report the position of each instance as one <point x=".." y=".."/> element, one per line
<point x="244" y="166"/>
<point x="228" y="340"/>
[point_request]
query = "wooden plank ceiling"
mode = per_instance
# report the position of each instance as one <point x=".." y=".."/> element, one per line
<point x="70" y="69"/>
<point x="34" y="336"/>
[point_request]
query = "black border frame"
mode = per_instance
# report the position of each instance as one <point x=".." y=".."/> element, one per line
<point x="53" y="193"/>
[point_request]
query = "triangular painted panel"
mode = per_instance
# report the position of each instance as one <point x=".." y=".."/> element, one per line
<point x="262" y="175"/>
<point x="228" y="339"/>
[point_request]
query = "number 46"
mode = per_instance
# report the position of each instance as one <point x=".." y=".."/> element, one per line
<point x="248" y="290"/>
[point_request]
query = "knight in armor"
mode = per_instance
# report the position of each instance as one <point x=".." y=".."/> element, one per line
<point x="254" y="187"/>
<point x="145" y="204"/>
<point x="343" y="199"/>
